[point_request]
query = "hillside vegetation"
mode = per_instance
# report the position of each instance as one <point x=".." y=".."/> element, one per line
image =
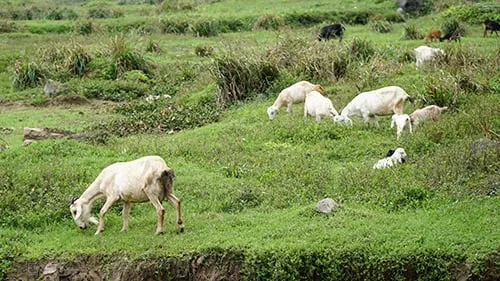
<point x="249" y="186"/>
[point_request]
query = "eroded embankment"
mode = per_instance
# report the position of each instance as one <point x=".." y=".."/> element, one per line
<point x="235" y="266"/>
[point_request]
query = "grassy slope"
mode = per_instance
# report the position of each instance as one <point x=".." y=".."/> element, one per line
<point x="277" y="164"/>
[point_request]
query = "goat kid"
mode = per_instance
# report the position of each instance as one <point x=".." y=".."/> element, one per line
<point x="398" y="157"/>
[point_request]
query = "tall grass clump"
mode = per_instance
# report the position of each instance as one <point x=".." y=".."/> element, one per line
<point x="453" y="25"/>
<point x="205" y="28"/>
<point x="122" y="58"/>
<point x="362" y="49"/>
<point x="7" y="26"/>
<point x="239" y="76"/>
<point x="269" y="22"/>
<point x="27" y="74"/>
<point x="84" y="28"/>
<point x="380" y="25"/>
<point x="411" y="32"/>
<point x="64" y="61"/>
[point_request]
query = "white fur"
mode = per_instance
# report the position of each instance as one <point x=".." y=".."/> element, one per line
<point x="318" y="106"/>
<point x="382" y="101"/>
<point x="144" y="179"/>
<point x="433" y="112"/>
<point x="398" y="157"/>
<point x="400" y="120"/>
<point x="425" y="53"/>
<point x="293" y="94"/>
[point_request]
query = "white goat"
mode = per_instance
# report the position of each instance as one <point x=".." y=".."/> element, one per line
<point x="425" y="53"/>
<point x="420" y="115"/>
<point x="382" y="101"/>
<point x="398" y="157"/>
<point x="400" y="120"/>
<point x="144" y="179"/>
<point x="317" y="106"/>
<point x="293" y="94"/>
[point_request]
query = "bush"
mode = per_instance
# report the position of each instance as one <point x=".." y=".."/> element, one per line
<point x="117" y="90"/>
<point x="361" y="49"/>
<point x="472" y="14"/>
<point x="204" y="28"/>
<point x="411" y="32"/>
<point x="153" y="47"/>
<point x="57" y="14"/>
<point x="172" y="26"/>
<point x="84" y="28"/>
<point x="104" y="12"/>
<point x="27" y="75"/>
<point x="64" y="61"/>
<point x="204" y="51"/>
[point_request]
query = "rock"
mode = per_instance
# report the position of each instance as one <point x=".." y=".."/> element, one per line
<point x="7" y="131"/>
<point x="326" y="206"/>
<point x="45" y="133"/>
<point x="28" y="142"/>
<point x="53" y="88"/>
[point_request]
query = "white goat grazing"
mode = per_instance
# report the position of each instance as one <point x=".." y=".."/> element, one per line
<point x="425" y="53"/>
<point x="382" y="101"/>
<point x="420" y="115"/>
<point x="140" y="180"/>
<point x="293" y="94"/>
<point x="400" y="120"/>
<point x="398" y="157"/>
<point x="317" y="106"/>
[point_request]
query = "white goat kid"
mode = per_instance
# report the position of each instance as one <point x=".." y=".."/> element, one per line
<point x="144" y="179"/>
<point x="293" y="94"/>
<point x="398" y="157"/>
<point x="383" y="101"/>
<point x="400" y="120"/>
<point x="318" y="106"/>
<point x="432" y="112"/>
<point x="425" y="53"/>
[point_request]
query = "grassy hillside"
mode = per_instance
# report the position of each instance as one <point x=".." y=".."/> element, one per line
<point x="249" y="185"/>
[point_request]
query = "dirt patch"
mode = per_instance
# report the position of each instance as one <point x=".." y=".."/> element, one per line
<point x="198" y="267"/>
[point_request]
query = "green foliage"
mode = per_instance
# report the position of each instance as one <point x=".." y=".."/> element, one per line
<point x="204" y="51"/>
<point x="153" y="47"/>
<point x="362" y="49"/>
<point x="61" y="14"/>
<point x="453" y="25"/>
<point x="381" y="26"/>
<point x="472" y="14"/>
<point x="27" y="75"/>
<point x="238" y="77"/>
<point x="411" y="32"/>
<point x="84" y="28"/>
<point x="123" y="58"/>
<point x="205" y="28"/>
<point x="117" y="90"/>
<point x="104" y="12"/>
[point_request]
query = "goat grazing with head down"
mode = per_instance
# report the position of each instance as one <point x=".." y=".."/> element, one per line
<point x="293" y="94"/>
<point x="144" y="179"/>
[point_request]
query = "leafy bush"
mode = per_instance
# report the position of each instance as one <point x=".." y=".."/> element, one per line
<point x="472" y="14"/>
<point x="204" y="28"/>
<point x="173" y="26"/>
<point x="27" y="75"/>
<point x="411" y="32"/>
<point x="361" y="49"/>
<point x="118" y="90"/>
<point x="269" y="22"/>
<point x="64" y="60"/>
<point x="57" y="14"/>
<point x="104" y="12"/>
<point x="84" y="28"/>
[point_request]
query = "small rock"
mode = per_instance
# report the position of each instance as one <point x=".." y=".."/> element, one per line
<point x="326" y="206"/>
<point x="50" y="268"/>
<point x="28" y="142"/>
<point x="53" y="88"/>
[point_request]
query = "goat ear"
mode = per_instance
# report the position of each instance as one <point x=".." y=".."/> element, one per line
<point x="73" y="199"/>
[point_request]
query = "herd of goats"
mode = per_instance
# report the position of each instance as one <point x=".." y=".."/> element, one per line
<point x="150" y="179"/>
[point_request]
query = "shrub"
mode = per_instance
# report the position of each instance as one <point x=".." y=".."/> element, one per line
<point x="472" y="14"/>
<point x="153" y="47"/>
<point x="118" y="90"/>
<point x="64" y="61"/>
<point x="238" y="77"/>
<point x="172" y="26"/>
<point x="103" y="12"/>
<point x="269" y="22"/>
<point x="411" y="32"/>
<point x="27" y="75"/>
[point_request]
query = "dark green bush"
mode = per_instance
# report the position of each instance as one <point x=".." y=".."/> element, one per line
<point x="172" y="26"/>
<point x="117" y="90"/>
<point x="361" y="49"/>
<point x="84" y="28"/>
<point x="104" y="12"/>
<point x="472" y="14"/>
<point x="122" y="58"/>
<point x="204" y="51"/>
<point x="381" y="26"/>
<point x="205" y="28"/>
<point x="453" y="25"/>
<point x="58" y="14"/>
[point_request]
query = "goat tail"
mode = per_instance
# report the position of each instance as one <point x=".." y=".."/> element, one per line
<point x="443" y="108"/>
<point x="167" y="180"/>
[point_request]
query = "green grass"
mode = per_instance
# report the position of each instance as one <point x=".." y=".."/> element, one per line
<point x="248" y="184"/>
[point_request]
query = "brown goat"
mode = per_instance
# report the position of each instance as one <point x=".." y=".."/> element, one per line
<point x="433" y="34"/>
